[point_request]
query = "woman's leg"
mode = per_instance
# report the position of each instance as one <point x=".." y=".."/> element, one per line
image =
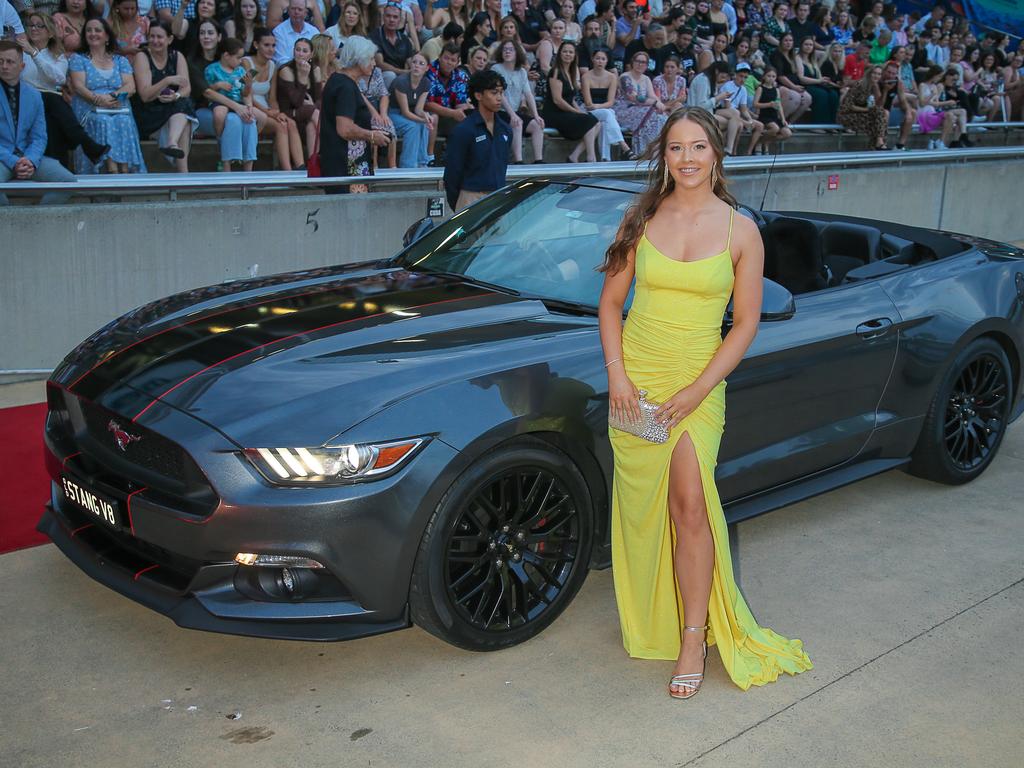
<point x="220" y="116"/>
<point x="230" y="139"/>
<point x="611" y="132"/>
<point x="694" y="555"/>
<point x="536" y="134"/>
<point x="64" y="132"/>
<point x="947" y="127"/>
<point x="790" y="102"/>
<point x="878" y="126"/>
<point x="756" y="129"/>
<point x="268" y="127"/>
<point x="311" y="129"/>
<point x="960" y="123"/>
<point x="185" y="142"/>
<point x="909" y="116"/>
<point x="805" y="104"/>
<point x="732" y="127"/>
<point x="250" y="141"/>
<point x="590" y="140"/>
<point x="295" y="143"/>
<point x="423" y="141"/>
<point x="604" y="145"/>
<point x="406" y="129"/>
<point x="176" y="125"/>
<point x="517" y="143"/>
<point x="833" y="104"/>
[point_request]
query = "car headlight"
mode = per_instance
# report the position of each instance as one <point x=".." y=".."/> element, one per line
<point x="333" y="464"/>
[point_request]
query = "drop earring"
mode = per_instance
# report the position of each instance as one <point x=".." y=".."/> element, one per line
<point x="714" y="177"/>
<point x="664" y="179"/>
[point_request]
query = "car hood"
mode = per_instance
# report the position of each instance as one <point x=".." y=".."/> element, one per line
<point x="300" y="360"/>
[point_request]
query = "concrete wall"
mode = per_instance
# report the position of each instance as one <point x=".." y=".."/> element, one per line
<point x="66" y="271"/>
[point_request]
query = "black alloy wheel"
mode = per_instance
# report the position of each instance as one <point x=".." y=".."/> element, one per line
<point x="968" y="417"/>
<point x="506" y="550"/>
<point x="976" y="412"/>
<point x="511" y="550"/>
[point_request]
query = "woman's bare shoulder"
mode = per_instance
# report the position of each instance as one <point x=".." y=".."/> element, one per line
<point x="746" y="238"/>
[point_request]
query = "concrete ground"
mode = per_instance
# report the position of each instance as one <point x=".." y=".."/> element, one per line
<point x="908" y="596"/>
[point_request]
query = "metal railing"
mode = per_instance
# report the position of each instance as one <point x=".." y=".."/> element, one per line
<point x="121" y="185"/>
<point x="1003" y="125"/>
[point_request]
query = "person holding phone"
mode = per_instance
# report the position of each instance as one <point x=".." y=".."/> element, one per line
<point x="894" y="98"/>
<point x="102" y="82"/>
<point x="163" y="101"/>
<point x="228" y="79"/>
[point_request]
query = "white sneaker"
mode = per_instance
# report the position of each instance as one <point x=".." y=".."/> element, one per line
<point x="979" y="118"/>
<point x="940" y="145"/>
<point x="931" y="143"/>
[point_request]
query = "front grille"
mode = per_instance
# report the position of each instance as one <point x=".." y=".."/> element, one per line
<point x="171" y="477"/>
<point x="152" y="452"/>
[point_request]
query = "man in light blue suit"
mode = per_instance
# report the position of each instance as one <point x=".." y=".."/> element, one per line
<point x="23" y="129"/>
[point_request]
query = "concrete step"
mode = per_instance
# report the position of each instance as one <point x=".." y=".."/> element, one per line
<point x="205" y="155"/>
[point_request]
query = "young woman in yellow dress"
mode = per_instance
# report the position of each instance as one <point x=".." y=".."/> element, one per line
<point x="670" y="547"/>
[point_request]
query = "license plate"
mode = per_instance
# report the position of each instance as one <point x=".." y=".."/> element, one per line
<point x="95" y="504"/>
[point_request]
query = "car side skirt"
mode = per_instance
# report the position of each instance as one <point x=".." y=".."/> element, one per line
<point x="822" y="482"/>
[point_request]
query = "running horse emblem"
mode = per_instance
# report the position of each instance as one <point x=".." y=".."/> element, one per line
<point x="122" y="437"/>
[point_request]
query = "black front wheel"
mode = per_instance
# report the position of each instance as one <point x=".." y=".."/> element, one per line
<point x="967" y="418"/>
<point x="506" y="550"/>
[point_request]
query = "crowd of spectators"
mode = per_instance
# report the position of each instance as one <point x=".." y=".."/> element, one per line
<point x="604" y="74"/>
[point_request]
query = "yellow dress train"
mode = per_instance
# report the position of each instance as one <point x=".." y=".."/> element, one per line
<point x="672" y="332"/>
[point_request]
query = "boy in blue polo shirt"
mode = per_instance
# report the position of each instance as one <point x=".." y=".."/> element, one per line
<point x="477" y="151"/>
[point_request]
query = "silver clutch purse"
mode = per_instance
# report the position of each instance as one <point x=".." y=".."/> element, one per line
<point x="648" y="427"/>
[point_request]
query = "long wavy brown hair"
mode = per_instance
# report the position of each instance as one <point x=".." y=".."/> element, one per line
<point x="647" y="203"/>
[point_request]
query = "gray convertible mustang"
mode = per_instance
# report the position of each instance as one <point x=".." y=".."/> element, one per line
<point x="343" y="451"/>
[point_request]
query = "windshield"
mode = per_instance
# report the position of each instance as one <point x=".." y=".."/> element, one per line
<point x="543" y="239"/>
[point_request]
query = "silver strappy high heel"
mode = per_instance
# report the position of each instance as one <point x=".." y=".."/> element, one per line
<point x="689" y="683"/>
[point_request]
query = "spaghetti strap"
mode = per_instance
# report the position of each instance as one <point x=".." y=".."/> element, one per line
<point x="732" y="214"/>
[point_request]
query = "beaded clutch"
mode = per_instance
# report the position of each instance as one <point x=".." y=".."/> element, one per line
<point x="648" y="427"/>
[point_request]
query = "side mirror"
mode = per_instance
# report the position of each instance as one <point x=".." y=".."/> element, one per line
<point x="776" y="303"/>
<point x="417" y="230"/>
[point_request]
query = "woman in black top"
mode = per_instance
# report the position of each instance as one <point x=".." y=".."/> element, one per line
<point x="187" y="30"/>
<point x="346" y="138"/>
<point x="478" y="31"/>
<point x="560" y="110"/>
<point x="795" y="98"/>
<point x="832" y="67"/>
<point x="703" y="29"/>
<point x="162" y="101"/>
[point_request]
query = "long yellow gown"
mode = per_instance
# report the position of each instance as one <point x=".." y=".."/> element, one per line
<point x="672" y="332"/>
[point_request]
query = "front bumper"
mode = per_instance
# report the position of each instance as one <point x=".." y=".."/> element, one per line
<point x="211" y="608"/>
<point x="181" y="564"/>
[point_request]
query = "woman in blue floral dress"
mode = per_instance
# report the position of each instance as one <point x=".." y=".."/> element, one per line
<point x="103" y="82"/>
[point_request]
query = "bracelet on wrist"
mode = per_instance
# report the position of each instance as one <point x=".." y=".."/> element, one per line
<point x="616" y="360"/>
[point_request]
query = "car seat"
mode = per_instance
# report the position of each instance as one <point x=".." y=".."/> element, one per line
<point x="792" y="255"/>
<point x="848" y="246"/>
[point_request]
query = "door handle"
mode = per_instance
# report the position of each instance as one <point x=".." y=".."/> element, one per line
<point x="874" y="328"/>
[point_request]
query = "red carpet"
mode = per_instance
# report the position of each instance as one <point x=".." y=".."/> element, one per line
<point x="26" y="486"/>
